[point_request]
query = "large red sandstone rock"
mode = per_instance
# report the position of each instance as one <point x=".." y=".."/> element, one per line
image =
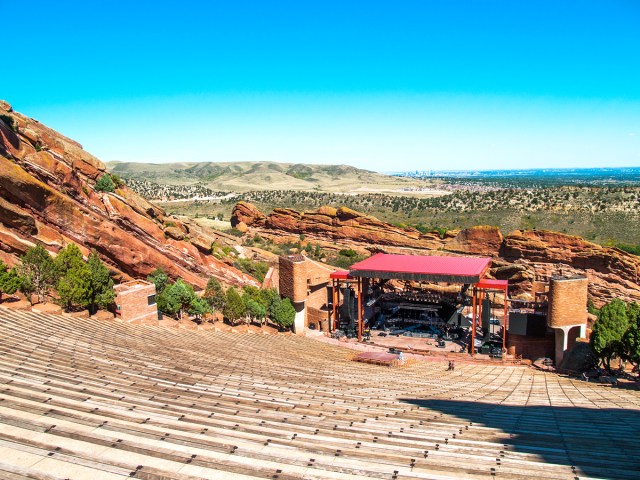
<point x="520" y="257"/>
<point x="47" y="197"/>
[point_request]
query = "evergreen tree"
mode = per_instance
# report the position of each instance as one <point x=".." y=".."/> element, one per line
<point x="68" y="258"/>
<point x="283" y="313"/>
<point x="9" y="280"/>
<point x="100" y="285"/>
<point x="105" y="184"/>
<point x="255" y="310"/>
<point x="73" y="287"/>
<point x="37" y="272"/>
<point x="608" y="331"/>
<point x="199" y="306"/>
<point x="178" y="297"/>
<point x="213" y="294"/>
<point x="234" y="308"/>
<point x="160" y="279"/>
<point x="631" y="339"/>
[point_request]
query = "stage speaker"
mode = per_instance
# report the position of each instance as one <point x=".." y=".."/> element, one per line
<point x="486" y="314"/>
<point x="517" y="323"/>
<point x="530" y="324"/>
<point x="330" y="297"/>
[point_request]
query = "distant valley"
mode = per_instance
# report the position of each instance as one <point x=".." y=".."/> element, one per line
<point x="601" y="205"/>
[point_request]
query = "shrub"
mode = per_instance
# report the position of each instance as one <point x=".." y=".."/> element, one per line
<point x="105" y="184"/>
<point x="252" y="267"/>
<point x="9" y="280"/>
<point x="118" y="182"/>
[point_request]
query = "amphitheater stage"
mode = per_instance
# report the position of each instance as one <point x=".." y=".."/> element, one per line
<point x="87" y="399"/>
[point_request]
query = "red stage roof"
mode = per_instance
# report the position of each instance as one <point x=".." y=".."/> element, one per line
<point x="422" y="268"/>
<point x="340" y="274"/>
<point x="488" y="284"/>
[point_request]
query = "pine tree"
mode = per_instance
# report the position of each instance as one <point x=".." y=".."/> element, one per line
<point x="100" y="285"/>
<point x="68" y="258"/>
<point x="213" y="294"/>
<point x="234" y="308"/>
<point x="631" y="339"/>
<point x="105" y="184"/>
<point x="608" y="331"/>
<point x="37" y="272"/>
<point x="283" y="313"/>
<point x="160" y="279"/>
<point x="9" y="280"/>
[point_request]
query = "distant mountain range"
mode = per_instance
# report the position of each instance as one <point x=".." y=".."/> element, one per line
<point x="246" y="176"/>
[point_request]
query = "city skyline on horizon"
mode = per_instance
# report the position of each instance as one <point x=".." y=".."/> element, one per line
<point x="386" y="88"/>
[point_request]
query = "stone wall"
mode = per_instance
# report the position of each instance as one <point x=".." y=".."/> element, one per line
<point x="532" y="347"/>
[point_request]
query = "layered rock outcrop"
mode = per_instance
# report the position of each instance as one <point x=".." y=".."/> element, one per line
<point x="47" y="196"/>
<point x="520" y="257"/>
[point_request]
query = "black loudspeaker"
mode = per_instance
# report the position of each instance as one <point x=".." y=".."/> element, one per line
<point x="330" y="297"/>
<point x="349" y="304"/>
<point x="517" y="323"/>
<point x="530" y="324"/>
<point x="486" y="314"/>
<point x="537" y="325"/>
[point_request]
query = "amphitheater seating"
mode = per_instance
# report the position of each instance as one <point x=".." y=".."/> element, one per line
<point x="87" y="399"/>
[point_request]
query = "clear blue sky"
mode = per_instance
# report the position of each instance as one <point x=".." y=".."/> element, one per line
<point x="391" y="85"/>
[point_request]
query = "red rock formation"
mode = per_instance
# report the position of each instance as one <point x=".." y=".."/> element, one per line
<point x="519" y="257"/>
<point x="47" y="197"/>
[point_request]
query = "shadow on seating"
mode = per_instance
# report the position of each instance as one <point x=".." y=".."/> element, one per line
<point x="595" y="442"/>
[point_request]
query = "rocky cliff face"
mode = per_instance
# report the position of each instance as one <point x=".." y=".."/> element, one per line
<point x="519" y="257"/>
<point x="47" y="197"/>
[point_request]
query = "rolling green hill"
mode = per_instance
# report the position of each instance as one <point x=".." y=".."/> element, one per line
<point x="251" y="176"/>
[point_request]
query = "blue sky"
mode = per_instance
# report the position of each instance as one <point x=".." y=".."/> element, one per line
<point x="394" y="85"/>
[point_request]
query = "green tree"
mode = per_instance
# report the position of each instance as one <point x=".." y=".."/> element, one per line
<point x="73" y="287"/>
<point x="213" y="294"/>
<point x="68" y="258"/>
<point x="234" y="308"/>
<point x="105" y="184"/>
<point x="199" y="306"/>
<point x="100" y="292"/>
<point x="283" y="313"/>
<point x="9" y="280"/>
<point x="608" y="331"/>
<point x="37" y="272"/>
<point x="631" y="338"/>
<point x="255" y="310"/>
<point x="179" y="297"/>
<point x="160" y="279"/>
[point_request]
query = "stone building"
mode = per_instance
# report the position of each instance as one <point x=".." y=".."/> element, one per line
<point x="136" y="302"/>
<point x="305" y="282"/>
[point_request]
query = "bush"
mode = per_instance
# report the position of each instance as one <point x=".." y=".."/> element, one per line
<point x="117" y="181"/>
<point x="9" y="280"/>
<point x="105" y="184"/>
<point x="254" y="268"/>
